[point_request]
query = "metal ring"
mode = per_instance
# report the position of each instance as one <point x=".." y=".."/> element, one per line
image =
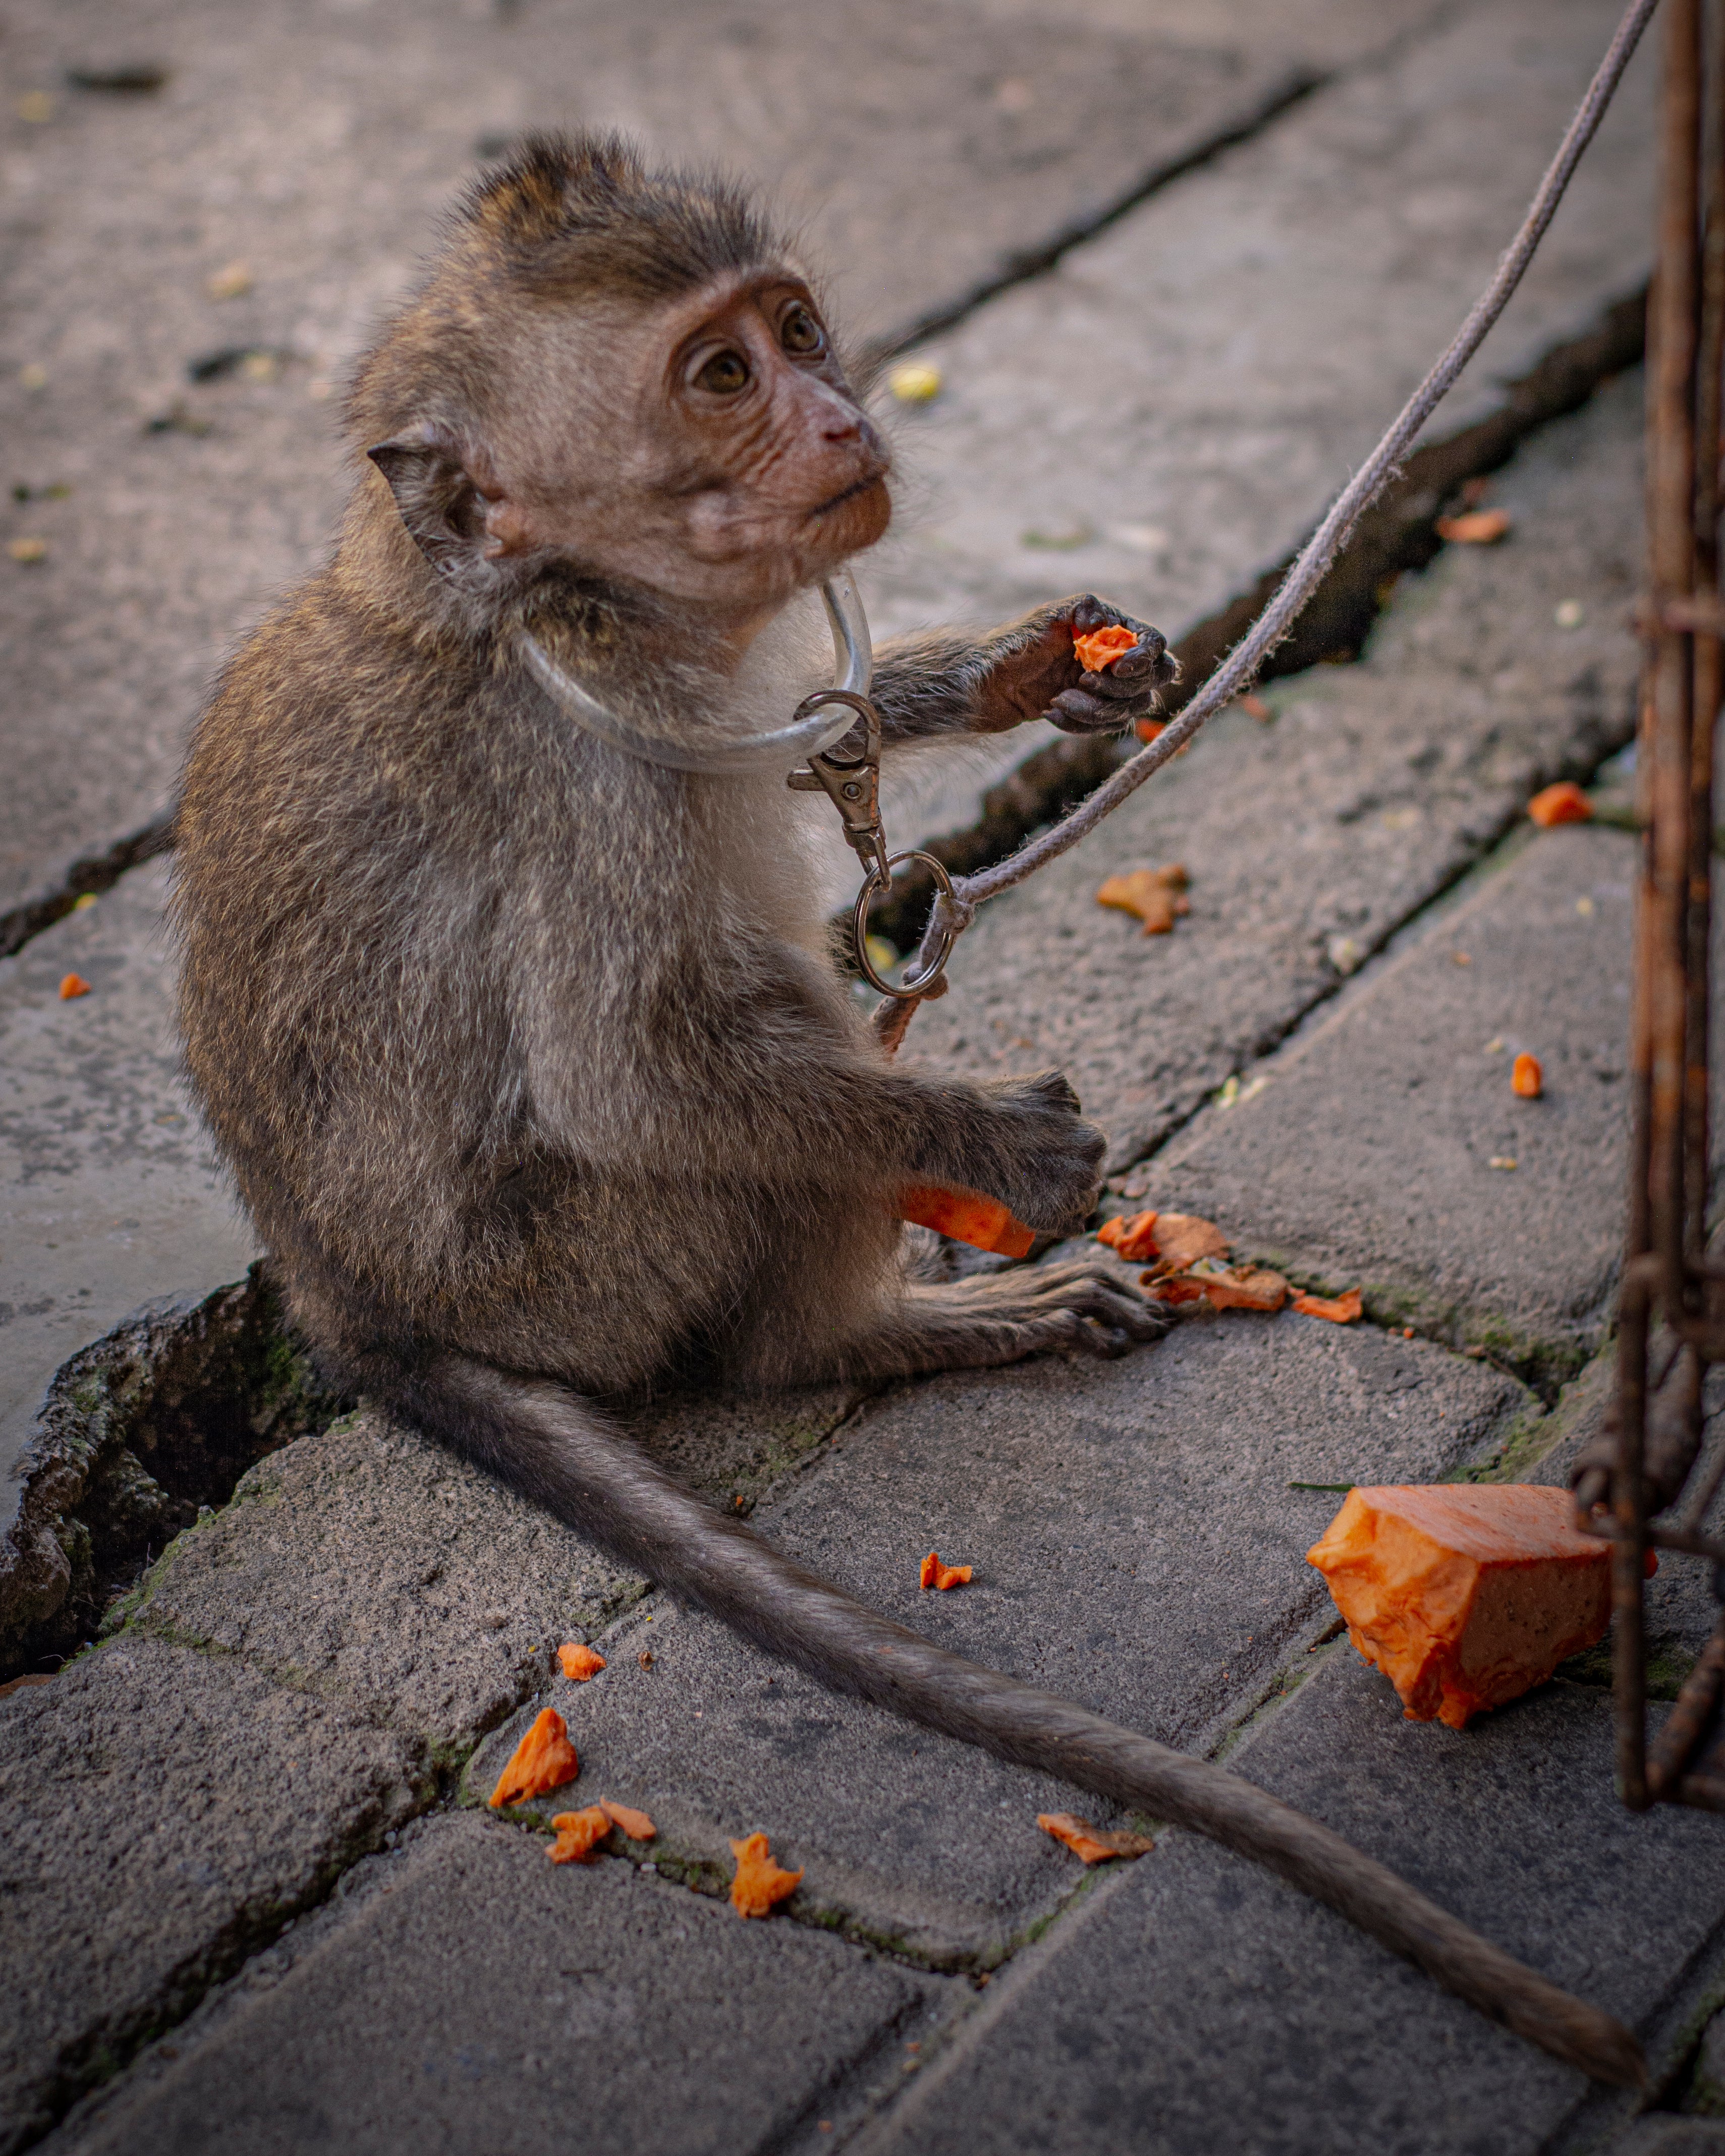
<point x="865" y="713"/>
<point x="859" y="927"/>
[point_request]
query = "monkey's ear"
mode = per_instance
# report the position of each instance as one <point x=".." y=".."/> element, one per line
<point x="450" y="497"/>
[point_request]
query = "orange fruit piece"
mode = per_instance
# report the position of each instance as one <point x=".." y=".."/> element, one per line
<point x="1340" y="1309"/>
<point x="1474" y="527"/>
<point x="1241" y="1287"/>
<point x="579" y="1663"/>
<point x="1183" y="1239"/>
<point x="942" y="1576"/>
<point x="544" y="1760"/>
<point x="1465" y="1594"/>
<point x="635" y="1825"/>
<point x="1562" y="804"/>
<point x="1147" y="729"/>
<point x="968" y="1217"/>
<point x="1133" y="1235"/>
<point x="578" y="1834"/>
<point x="1102" y="646"/>
<point x="1095" y="1845"/>
<point x="1156" y="895"/>
<point x="1526" y="1079"/>
<point x="73" y="984"/>
<point x="759" y="1885"/>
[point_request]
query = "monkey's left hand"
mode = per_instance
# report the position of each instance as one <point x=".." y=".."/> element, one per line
<point x="1037" y="675"/>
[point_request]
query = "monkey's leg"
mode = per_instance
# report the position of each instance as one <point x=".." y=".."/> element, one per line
<point x="981" y="1324"/>
<point x="550" y="1444"/>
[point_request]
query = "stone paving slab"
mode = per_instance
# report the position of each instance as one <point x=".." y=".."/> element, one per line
<point x="1191" y="387"/>
<point x="108" y="1193"/>
<point x="164" y="1811"/>
<point x="1309" y="840"/>
<point x="1367" y="1158"/>
<point x="1196" y="2003"/>
<point x="1137" y="1548"/>
<point x="917" y="148"/>
<point x="472" y="1997"/>
<point x="374" y="1568"/>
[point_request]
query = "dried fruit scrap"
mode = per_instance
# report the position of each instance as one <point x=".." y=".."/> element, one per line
<point x="73" y="984"/>
<point x="759" y="1885"/>
<point x="1527" y="1079"/>
<point x="1132" y="1236"/>
<point x="942" y="1576"/>
<point x="1340" y="1309"/>
<point x="578" y="1835"/>
<point x="635" y="1825"/>
<point x="1562" y="804"/>
<point x="1154" y="895"/>
<point x="1464" y="1595"/>
<point x="1095" y="1845"/>
<point x="579" y="1663"/>
<point x="1237" y="1287"/>
<point x="1103" y="646"/>
<point x="968" y="1217"/>
<point x="1474" y="527"/>
<point x="1182" y="1238"/>
<point x="544" y="1759"/>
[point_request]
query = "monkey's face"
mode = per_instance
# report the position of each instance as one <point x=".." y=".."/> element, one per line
<point x="717" y="455"/>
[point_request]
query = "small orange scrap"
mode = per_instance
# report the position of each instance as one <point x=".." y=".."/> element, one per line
<point x="759" y="1885"/>
<point x="1095" y="1845"/>
<point x="544" y="1760"/>
<point x="942" y="1576"/>
<point x="578" y="1835"/>
<point x="635" y="1825"/>
<point x="968" y="1217"/>
<point x="1236" y="1287"/>
<point x="1156" y="895"/>
<point x="1133" y="1236"/>
<point x="1147" y="729"/>
<point x="1526" y="1079"/>
<point x="577" y="1662"/>
<point x="1102" y="646"/>
<point x="73" y="984"/>
<point x="1474" y="527"/>
<point x="1465" y="1594"/>
<point x="1340" y="1309"/>
<point x="1562" y="804"/>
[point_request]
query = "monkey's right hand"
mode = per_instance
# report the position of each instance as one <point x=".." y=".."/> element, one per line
<point x="1046" y="1160"/>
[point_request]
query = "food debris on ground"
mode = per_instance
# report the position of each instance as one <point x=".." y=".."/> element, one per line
<point x="1190" y="1259"/>
<point x="1254" y="707"/>
<point x="635" y="1825"/>
<point x="1147" y="729"/>
<point x="1236" y="1287"/>
<point x="1340" y="1309"/>
<point x="232" y="281"/>
<point x="1133" y="1236"/>
<point x="1506" y="1161"/>
<point x="1474" y="527"/>
<point x="1182" y="1238"/>
<point x="578" y="1835"/>
<point x="760" y="1885"/>
<point x="968" y="1217"/>
<point x="942" y="1576"/>
<point x="1102" y="646"/>
<point x="28" y="551"/>
<point x="1156" y="895"/>
<point x="73" y="984"/>
<point x="577" y="1662"/>
<point x="915" y="382"/>
<point x="1095" y="1845"/>
<point x="1526" y="1079"/>
<point x="544" y="1760"/>
<point x="1465" y="1594"/>
<point x="1562" y="804"/>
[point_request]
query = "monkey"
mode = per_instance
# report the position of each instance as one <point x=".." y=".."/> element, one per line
<point x="529" y="1055"/>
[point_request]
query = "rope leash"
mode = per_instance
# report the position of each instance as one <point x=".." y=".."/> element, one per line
<point x="958" y="899"/>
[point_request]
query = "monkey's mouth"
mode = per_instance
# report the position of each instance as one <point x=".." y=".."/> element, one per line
<point x="858" y="487"/>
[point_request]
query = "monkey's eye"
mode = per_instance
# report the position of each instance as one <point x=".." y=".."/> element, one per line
<point x="800" y="333"/>
<point x="725" y="374"/>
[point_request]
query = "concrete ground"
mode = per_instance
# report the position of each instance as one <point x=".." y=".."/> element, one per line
<point x="255" y="1900"/>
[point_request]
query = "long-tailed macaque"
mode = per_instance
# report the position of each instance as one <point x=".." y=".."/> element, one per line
<point x="530" y="1054"/>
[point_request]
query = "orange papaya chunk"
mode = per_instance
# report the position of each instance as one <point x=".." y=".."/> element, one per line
<point x="635" y="1825"/>
<point x="544" y="1759"/>
<point x="1339" y="1309"/>
<point x="1465" y="1594"/>
<point x="759" y="1885"/>
<point x="941" y="1577"/>
<point x="968" y="1217"/>
<point x="578" y="1835"/>
<point x="579" y="1663"/>
<point x="1182" y="1238"/>
<point x="1102" y="646"/>
<point x="1095" y="1845"/>
<point x="1562" y="804"/>
<point x="1133" y="1235"/>
<point x="1526" y="1078"/>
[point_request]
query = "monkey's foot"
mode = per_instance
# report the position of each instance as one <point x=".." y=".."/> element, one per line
<point x="1080" y="1305"/>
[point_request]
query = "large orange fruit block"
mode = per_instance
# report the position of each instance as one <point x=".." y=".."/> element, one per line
<point x="1464" y="1595"/>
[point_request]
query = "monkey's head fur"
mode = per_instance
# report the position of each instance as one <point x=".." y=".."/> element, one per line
<point x="618" y="385"/>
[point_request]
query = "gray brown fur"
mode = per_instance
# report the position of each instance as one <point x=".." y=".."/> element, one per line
<point x="530" y="1060"/>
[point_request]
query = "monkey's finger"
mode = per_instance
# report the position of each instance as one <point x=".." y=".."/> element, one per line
<point x="1080" y="711"/>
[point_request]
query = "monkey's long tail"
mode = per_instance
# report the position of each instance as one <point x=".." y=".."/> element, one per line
<point x="547" y="1442"/>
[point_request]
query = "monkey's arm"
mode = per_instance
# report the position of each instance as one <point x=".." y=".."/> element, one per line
<point x="942" y="683"/>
